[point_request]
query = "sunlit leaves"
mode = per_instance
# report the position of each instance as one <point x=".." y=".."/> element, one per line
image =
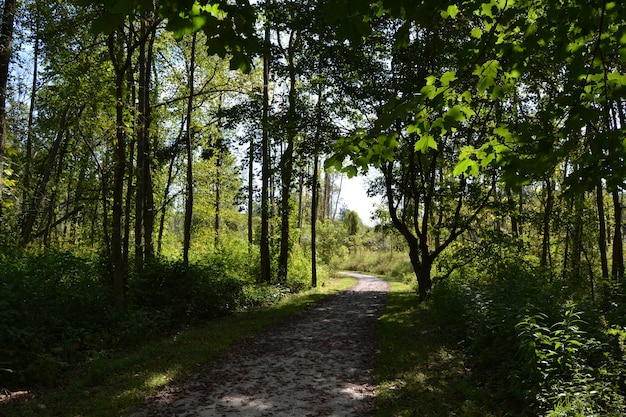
<point x="229" y="28"/>
<point x="450" y="12"/>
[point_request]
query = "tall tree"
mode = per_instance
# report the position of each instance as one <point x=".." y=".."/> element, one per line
<point x="189" y="185"/>
<point x="286" y="163"/>
<point x="121" y="52"/>
<point x="266" y="269"/>
<point x="6" y="47"/>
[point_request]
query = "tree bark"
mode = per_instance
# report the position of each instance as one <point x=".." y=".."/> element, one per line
<point x="28" y="166"/>
<point x="250" y="193"/>
<point x="266" y="269"/>
<point x="545" y="247"/>
<point x="34" y="206"/>
<point x="287" y="166"/>
<point x="120" y="57"/>
<point x="6" y="44"/>
<point x="617" y="270"/>
<point x="602" y="231"/>
<point x="189" y="149"/>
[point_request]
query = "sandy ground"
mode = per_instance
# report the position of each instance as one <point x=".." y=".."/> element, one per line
<point x="317" y="363"/>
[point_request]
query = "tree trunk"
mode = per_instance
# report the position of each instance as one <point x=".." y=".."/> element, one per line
<point x="120" y="57"/>
<point x="189" y="149"/>
<point x="577" y="250"/>
<point x="166" y="198"/>
<point x="617" y="270"/>
<point x="251" y="193"/>
<point x="512" y="214"/>
<point x="314" y="198"/>
<point x="266" y="269"/>
<point x="602" y="231"/>
<point x="34" y="206"/>
<point x="144" y="209"/>
<point x="422" y="266"/>
<point x="287" y="167"/>
<point x="545" y="247"/>
<point x="28" y="166"/>
<point x="6" y="45"/>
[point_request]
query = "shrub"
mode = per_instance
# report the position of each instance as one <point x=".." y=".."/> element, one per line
<point x="185" y="293"/>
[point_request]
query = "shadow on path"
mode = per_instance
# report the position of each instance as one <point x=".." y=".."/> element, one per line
<point x="316" y="363"/>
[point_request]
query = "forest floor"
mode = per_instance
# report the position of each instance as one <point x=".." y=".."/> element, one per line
<point x="316" y="363"/>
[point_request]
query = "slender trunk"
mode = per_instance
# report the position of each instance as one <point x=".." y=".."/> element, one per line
<point x="315" y="187"/>
<point x="54" y="194"/>
<point x="144" y="208"/>
<point x="6" y="45"/>
<point x="545" y="247"/>
<point x="120" y="57"/>
<point x="220" y="152"/>
<point x="577" y="250"/>
<point x="28" y="166"/>
<point x="314" y="198"/>
<point x="325" y="206"/>
<point x="617" y="271"/>
<point x="218" y="186"/>
<point x="513" y="216"/>
<point x="266" y="270"/>
<point x="146" y="109"/>
<point x="300" y="201"/>
<point x="131" y="190"/>
<point x="166" y="197"/>
<point x="30" y="215"/>
<point x="250" y="193"/>
<point x="334" y="216"/>
<point x="602" y="231"/>
<point x="189" y="148"/>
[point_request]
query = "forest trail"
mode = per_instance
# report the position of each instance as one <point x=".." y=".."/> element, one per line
<point x="316" y="363"/>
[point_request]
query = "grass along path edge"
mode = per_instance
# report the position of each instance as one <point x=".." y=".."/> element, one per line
<point x="114" y="383"/>
<point x="421" y="369"/>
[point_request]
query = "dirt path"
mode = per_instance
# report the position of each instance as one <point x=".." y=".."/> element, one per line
<point x="317" y="363"/>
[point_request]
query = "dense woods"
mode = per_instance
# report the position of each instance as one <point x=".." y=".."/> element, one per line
<point x="167" y="162"/>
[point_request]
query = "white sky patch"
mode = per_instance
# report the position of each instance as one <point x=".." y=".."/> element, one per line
<point x="354" y="197"/>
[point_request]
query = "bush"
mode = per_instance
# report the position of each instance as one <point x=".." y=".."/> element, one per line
<point x="186" y="293"/>
<point x="523" y="329"/>
<point x="51" y="306"/>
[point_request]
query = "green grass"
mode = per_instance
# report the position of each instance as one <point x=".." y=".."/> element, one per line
<point x="420" y="368"/>
<point x="113" y="383"/>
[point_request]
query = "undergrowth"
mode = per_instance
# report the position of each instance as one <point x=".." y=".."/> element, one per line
<point x="56" y="309"/>
<point x="113" y="382"/>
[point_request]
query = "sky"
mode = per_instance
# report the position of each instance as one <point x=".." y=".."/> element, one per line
<point x="354" y="197"/>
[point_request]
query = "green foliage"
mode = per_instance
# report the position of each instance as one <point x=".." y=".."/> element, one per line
<point x="392" y="264"/>
<point x="196" y="292"/>
<point x="522" y="327"/>
<point x="569" y="366"/>
<point x="56" y="309"/>
<point x="53" y="306"/>
<point x="421" y="370"/>
<point x="113" y="383"/>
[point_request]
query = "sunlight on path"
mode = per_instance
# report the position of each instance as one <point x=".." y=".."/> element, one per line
<point x="316" y="363"/>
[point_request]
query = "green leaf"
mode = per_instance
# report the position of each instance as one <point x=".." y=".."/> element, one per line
<point x="448" y="77"/>
<point x="453" y="10"/>
<point x="425" y="142"/>
<point x="350" y="171"/>
<point x="477" y="33"/>
<point x="464" y="166"/>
